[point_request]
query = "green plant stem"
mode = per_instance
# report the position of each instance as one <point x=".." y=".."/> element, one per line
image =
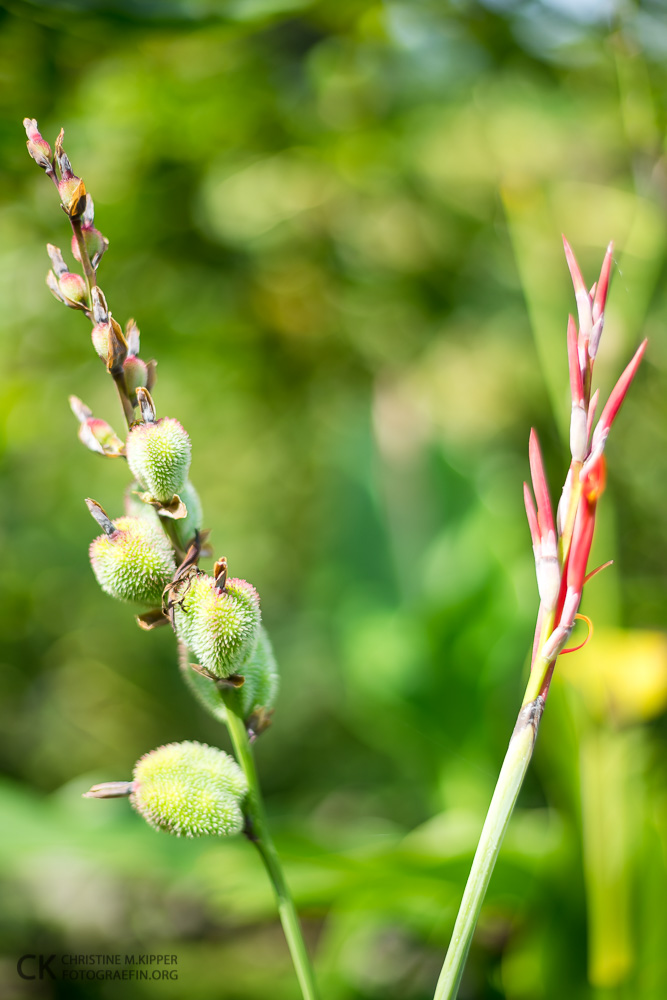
<point x="506" y="792"/>
<point x="88" y="269"/>
<point x="258" y="833"/>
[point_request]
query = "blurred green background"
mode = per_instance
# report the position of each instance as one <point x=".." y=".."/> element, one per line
<point x="338" y="224"/>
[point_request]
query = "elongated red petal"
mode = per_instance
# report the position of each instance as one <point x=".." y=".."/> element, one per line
<point x="617" y="395"/>
<point x="602" y="286"/>
<point x="545" y="516"/>
<point x="582" y="539"/>
<point x="580" y="293"/>
<point x="576" y="380"/>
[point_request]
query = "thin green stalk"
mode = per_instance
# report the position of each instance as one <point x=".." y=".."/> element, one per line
<point x="507" y="789"/>
<point x="258" y="833"/>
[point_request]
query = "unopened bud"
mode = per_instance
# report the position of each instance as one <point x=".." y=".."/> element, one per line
<point x="71" y="188"/>
<point x="38" y="147"/>
<point x="136" y="376"/>
<point x="74" y="289"/>
<point x="190" y="789"/>
<point x="99" y="436"/>
<point x="72" y="192"/>
<point x="134" y="563"/>
<point x="219" y="627"/>
<point x="159" y="455"/>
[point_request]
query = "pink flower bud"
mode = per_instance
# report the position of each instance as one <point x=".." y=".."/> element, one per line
<point x="72" y="192"/>
<point x="159" y="456"/>
<point x="74" y="289"/>
<point x="99" y="436"/>
<point x="136" y="376"/>
<point x="38" y="147"/>
<point x="71" y="188"/>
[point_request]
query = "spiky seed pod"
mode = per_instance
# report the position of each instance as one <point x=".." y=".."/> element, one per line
<point x="135" y="563"/>
<point x="190" y="789"/>
<point x="159" y="457"/>
<point x="220" y="627"/>
<point x="193" y="520"/>
<point x="261" y="680"/>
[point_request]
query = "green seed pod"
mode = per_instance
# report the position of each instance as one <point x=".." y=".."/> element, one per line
<point x="159" y="457"/>
<point x="220" y="627"/>
<point x="190" y="789"/>
<point x="133" y="563"/>
<point x="260" y="672"/>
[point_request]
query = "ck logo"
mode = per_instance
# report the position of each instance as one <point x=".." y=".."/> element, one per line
<point x="38" y="964"/>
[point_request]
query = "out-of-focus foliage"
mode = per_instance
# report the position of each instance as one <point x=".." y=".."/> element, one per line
<point x="338" y="226"/>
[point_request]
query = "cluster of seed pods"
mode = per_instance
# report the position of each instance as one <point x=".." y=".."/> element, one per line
<point x="185" y="788"/>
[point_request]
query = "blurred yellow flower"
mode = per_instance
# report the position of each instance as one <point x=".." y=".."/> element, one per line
<point x="621" y="673"/>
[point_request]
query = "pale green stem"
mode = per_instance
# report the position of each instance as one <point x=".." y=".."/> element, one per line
<point x="507" y="789"/>
<point x="258" y="833"/>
